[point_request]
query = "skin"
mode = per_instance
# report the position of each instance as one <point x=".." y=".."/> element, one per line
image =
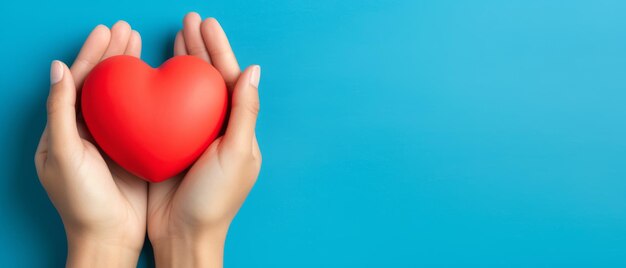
<point x="107" y="211"/>
<point x="188" y="216"/>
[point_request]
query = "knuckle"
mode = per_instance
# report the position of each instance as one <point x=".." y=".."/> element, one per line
<point x="56" y="155"/>
<point x="53" y="104"/>
<point x="38" y="160"/>
<point x="240" y="156"/>
<point x="66" y="154"/>
<point x="85" y="63"/>
<point x="222" y="54"/>
<point x="259" y="159"/>
<point x="196" y="50"/>
<point x="253" y="107"/>
<point x="258" y="156"/>
<point x="240" y="153"/>
<point x="256" y="163"/>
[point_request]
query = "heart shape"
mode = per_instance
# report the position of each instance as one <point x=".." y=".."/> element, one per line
<point x="154" y="122"/>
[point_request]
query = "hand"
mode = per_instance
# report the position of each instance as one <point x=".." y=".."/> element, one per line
<point x="103" y="207"/>
<point x="189" y="215"/>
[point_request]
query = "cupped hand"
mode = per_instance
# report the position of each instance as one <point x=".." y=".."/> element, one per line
<point x="189" y="215"/>
<point x="103" y="207"/>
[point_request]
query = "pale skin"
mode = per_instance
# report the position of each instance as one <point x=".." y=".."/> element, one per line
<point x="107" y="211"/>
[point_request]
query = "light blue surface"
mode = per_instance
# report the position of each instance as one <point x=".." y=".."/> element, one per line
<point x="395" y="133"/>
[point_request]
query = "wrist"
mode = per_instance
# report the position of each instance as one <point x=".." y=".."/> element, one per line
<point x="190" y="250"/>
<point x="85" y="251"/>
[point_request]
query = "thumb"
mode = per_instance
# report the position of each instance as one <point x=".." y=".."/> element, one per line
<point x="62" y="130"/>
<point x="242" y="121"/>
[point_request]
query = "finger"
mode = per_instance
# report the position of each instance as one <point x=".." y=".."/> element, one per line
<point x="220" y="52"/>
<point x="62" y="130"/>
<point x="245" y="108"/>
<point x="91" y="53"/>
<point x="134" y="45"/>
<point x="179" y="44"/>
<point x="193" y="37"/>
<point x="120" y="34"/>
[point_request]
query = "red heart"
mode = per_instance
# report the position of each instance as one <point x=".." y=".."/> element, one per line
<point x="154" y="122"/>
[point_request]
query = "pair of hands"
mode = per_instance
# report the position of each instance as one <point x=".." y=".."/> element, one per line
<point x="107" y="211"/>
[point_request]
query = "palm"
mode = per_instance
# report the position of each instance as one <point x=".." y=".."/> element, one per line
<point x="203" y="195"/>
<point x="176" y="202"/>
<point x="121" y="196"/>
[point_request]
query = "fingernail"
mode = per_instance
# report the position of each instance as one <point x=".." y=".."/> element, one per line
<point x="56" y="72"/>
<point x="255" y="76"/>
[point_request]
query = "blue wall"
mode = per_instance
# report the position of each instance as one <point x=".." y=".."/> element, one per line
<point x="395" y="133"/>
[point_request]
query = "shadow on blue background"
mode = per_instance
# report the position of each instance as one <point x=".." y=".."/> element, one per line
<point x="394" y="133"/>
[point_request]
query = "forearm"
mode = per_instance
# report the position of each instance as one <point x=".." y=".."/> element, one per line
<point x="84" y="252"/>
<point x="191" y="251"/>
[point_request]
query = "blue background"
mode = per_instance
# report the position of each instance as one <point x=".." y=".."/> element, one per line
<point x="395" y="133"/>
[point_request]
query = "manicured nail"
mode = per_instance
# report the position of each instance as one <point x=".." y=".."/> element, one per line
<point x="255" y="76"/>
<point x="56" y="72"/>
